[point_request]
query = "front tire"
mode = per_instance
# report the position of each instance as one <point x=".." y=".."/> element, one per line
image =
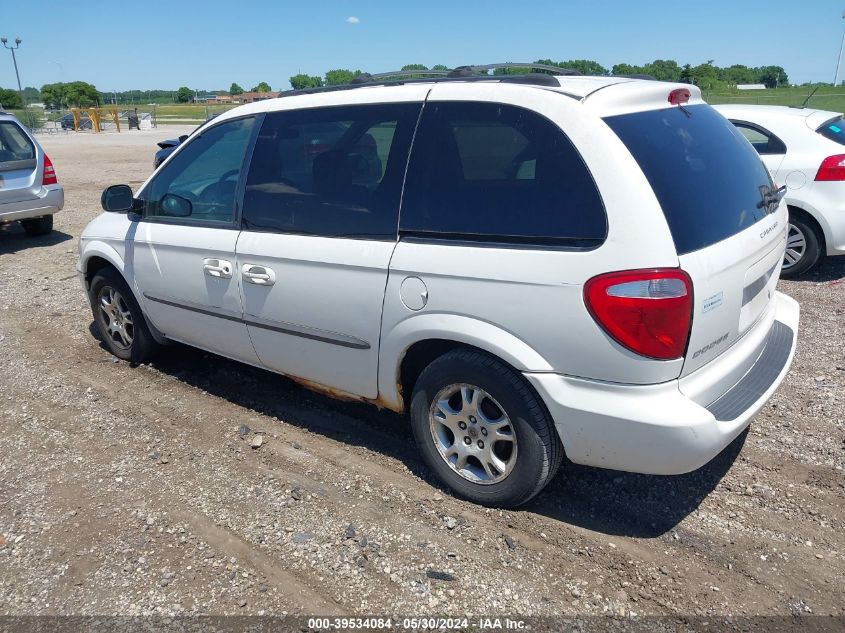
<point x="119" y="319"/>
<point x="38" y="226"/>
<point x="482" y="430"/>
<point x="803" y="247"/>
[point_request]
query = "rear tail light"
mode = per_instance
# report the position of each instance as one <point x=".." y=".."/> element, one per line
<point x="49" y="172"/>
<point x="647" y="311"/>
<point x="832" y="168"/>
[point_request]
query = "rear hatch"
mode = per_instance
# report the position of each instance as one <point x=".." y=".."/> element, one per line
<point x="728" y="227"/>
<point x="18" y="164"/>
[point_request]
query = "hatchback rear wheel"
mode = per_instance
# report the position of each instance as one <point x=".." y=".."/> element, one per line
<point x="803" y="248"/>
<point x="482" y="430"/>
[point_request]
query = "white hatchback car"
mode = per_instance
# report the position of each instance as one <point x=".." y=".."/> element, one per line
<point x="804" y="149"/>
<point x="29" y="190"/>
<point x="526" y="265"/>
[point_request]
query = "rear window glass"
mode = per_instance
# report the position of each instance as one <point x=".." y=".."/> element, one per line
<point x="834" y="130"/>
<point x="705" y="174"/>
<point x="14" y="143"/>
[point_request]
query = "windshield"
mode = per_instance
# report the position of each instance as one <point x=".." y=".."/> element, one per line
<point x="706" y="175"/>
<point x="834" y="130"/>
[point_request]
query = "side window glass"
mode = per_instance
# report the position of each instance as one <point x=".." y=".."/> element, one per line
<point x="333" y="172"/>
<point x="200" y="183"/>
<point x="501" y="173"/>
<point x="762" y="142"/>
<point x="14" y="143"/>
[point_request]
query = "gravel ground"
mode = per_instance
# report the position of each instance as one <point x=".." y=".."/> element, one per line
<point x="136" y="490"/>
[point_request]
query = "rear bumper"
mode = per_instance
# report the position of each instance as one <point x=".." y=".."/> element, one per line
<point x="49" y="202"/>
<point x="661" y="429"/>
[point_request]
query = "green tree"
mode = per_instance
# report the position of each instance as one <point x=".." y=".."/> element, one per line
<point x="738" y="74"/>
<point x="31" y="95"/>
<point x="772" y="76"/>
<point x="262" y="87"/>
<point x="10" y="98"/>
<point x="340" y="76"/>
<point x="303" y="82"/>
<point x="184" y="95"/>
<point x="439" y="67"/>
<point x="78" y="94"/>
<point x="583" y="66"/>
<point x="235" y="89"/>
<point x="663" y="70"/>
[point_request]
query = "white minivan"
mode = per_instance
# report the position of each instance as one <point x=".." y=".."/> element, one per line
<point x="528" y="265"/>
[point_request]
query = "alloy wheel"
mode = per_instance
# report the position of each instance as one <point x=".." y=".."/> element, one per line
<point x="473" y="433"/>
<point x="116" y="316"/>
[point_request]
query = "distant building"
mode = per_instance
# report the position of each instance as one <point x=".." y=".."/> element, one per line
<point x="205" y="99"/>
<point x="751" y="86"/>
<point x="251" y="97"/>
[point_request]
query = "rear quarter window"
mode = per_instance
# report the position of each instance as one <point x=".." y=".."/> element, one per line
<point x="833" y="130"/>
<point x="498" y="173"/>
<point x="707" y="177"/>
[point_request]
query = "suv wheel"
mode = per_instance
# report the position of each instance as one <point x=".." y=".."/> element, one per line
<point x="482" y="430"/>
<point x="38" y="226"/>
<point x="803" y="248"/>
<point x="119" y="319"/>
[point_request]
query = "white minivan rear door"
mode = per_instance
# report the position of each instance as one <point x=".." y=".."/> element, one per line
<point x="728" y="225"/>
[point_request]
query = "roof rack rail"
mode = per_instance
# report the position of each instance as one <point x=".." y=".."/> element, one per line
<point x="543" y="77"/>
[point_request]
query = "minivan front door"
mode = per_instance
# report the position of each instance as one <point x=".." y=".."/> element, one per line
<point x="182" y="254"/>
<point x="320" y="220"/>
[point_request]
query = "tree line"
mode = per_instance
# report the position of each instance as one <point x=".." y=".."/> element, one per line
<point x="707" y="76"/>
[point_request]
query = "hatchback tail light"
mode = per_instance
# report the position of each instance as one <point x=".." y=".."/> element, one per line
<point x="647" y="311"/>
<point x="832" y="168"/>
<point x="49" y="172"/>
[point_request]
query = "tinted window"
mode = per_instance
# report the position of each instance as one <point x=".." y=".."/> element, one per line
<point x="330" y="171"/>
<point x="14" y="143"/>
<point x="761" y="140"/>
<point x="706" y="177"/>
<point x="498" y="172"/>
<point x="205" y="174"/>
<point x="834" y="130"/>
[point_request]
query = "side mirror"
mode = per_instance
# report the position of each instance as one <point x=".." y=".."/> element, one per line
<point x="176" y="206"/>
<point x="117" y="199"/>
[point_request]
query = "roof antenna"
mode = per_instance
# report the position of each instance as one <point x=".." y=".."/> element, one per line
<point x="809" y="96"/>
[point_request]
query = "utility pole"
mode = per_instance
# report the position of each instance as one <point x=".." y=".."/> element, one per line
<point x="839" y="57"/>
<point x="17" y="45"/>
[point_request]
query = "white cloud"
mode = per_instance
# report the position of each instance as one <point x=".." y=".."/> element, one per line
<point x="353" y="20"/>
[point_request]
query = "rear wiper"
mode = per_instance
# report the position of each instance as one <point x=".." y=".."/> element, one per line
<point x="771" y="198"/>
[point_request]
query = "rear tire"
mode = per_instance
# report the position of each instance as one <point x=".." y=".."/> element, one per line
<point x="803" y="247"/>
<point x="38" y="226"/>
<point x="482" y="430"/>
<point x="120" y="321"/>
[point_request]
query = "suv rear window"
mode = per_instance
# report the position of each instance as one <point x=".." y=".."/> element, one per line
<point x="705" y="174"/>
<point x="14" y="144"/>
<point x="834" y="130"/>
<point x="498" y="173"/>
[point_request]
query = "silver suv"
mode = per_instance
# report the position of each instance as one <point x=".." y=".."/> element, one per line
<point x="29" y="190"/>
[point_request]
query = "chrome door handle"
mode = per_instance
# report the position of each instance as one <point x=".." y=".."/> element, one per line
<point x="258" y="275"/>
<point x="219" y="268"/>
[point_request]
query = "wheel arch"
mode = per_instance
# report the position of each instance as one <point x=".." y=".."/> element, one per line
<point x="815" y="219"/>
<point x="417" y="341"/>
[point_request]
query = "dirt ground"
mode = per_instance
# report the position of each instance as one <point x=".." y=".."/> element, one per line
<point x="134" y="490"/>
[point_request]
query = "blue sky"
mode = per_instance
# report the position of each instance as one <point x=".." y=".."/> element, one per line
<point x="208" y="44"/>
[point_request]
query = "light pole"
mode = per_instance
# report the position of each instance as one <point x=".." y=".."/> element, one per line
<point x="839" y="59"/>
<point x="17" y="45"/>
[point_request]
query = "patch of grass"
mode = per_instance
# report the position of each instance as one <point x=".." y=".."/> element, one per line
<point x="825" y="98"/>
